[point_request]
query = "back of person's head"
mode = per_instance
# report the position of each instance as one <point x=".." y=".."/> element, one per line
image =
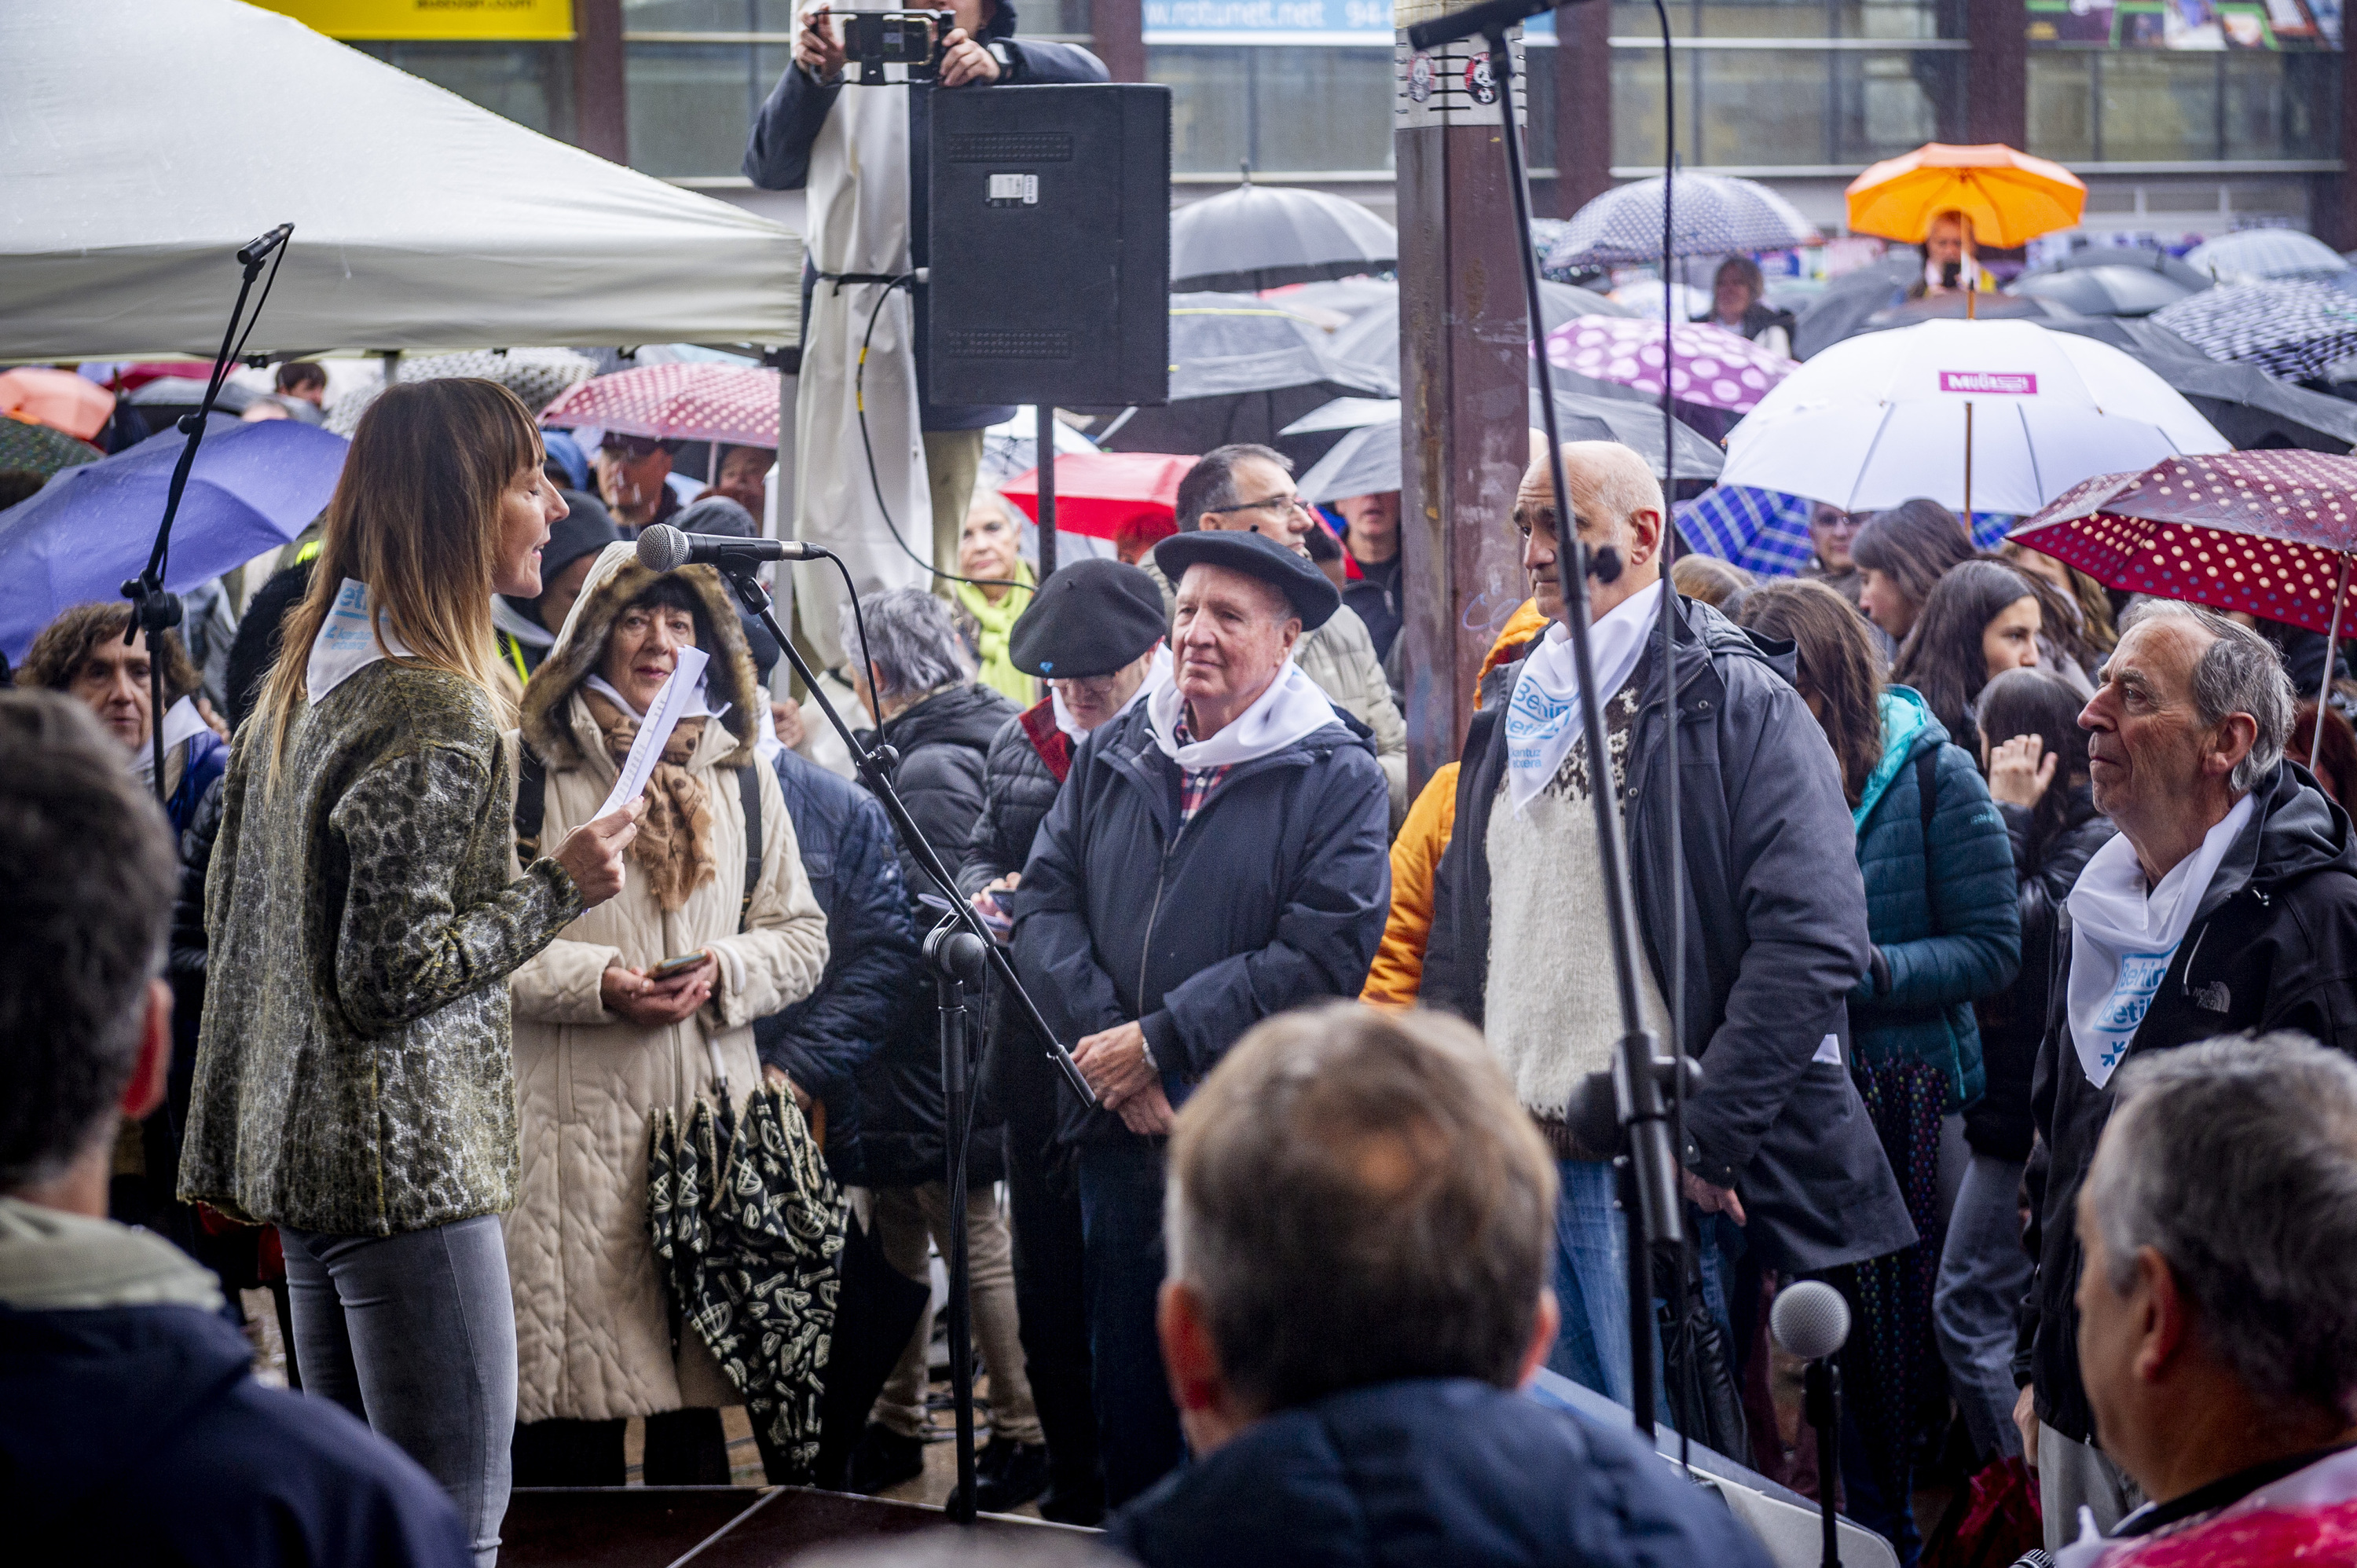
<point x="1210" y="485"/>
<point x="2336" y="756"/>
<point x="914" y="643"/>
<point x="2036" y="702"/>
<point x="2237" y="1160"/>
<point x="87" y="874"/>
<point x="253" y="652"/>
<point x="1942" y="657"/>
<point x="296" y="374"/>
<point x="1708" y="578"/>
<point x="1914" y="544"/>
<point x="57" y="654"/>
<point x="1834" y="661"/>
<point x="416" y="517"/>
<point x="1356" y="1197"/>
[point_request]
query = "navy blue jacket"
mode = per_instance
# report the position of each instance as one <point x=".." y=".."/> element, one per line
<point x="207" y="759"/>
<point x="777" y="158"/>
<point x="1274" y="896"/>
<point x="1431" y="1472"/>
<point x="138" y="1435"/>
<point x="872" y="962"/>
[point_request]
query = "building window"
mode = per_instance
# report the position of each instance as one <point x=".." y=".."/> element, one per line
<point x="530" y="84"/>
<point x="1800" y="20"/>
<point x="1779" y="108"/>
<point x="1285" y="110"/>
<point x="691" y="105"/>
<point x="2157" y="105"/>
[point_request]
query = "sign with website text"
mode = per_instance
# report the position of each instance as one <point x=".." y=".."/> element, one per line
<point x="420" y="20"/>
<point x="1366" y="22"/>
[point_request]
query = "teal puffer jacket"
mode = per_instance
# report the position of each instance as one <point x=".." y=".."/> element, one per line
<point x="1941" y="914"/>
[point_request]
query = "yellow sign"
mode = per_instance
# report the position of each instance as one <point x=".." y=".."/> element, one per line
<point x="410" y="20"/>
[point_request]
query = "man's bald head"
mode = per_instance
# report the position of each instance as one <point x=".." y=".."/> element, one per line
<point x="1615" y="502"/>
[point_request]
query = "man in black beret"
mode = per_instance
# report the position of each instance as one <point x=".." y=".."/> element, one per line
<point x="1094" y="632"/>
<point x="1217" y="855"/>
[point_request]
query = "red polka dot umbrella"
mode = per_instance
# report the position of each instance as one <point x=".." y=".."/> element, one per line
<point x="2272" y="534"/>
<point x="736" y="404"/>
<point x="1709" y="365"/>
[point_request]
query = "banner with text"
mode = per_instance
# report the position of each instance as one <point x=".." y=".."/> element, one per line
<point x="399" y="21"/>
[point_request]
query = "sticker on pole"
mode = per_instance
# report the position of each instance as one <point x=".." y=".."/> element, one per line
<point x="1478" y="81"/>
<point x="2007" y="382"/>
<point x="1419" y="78"/>
<point x="1014" y="190"/>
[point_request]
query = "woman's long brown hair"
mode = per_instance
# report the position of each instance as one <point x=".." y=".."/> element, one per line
<point x="416" y="517"/>
<point x="1838" y="666"/>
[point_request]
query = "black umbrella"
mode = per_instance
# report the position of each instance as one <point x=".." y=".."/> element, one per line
<point x="2250" y="408"/>
<point x="2288" y="329"/>
<point x="1373" y="338"/>
<point x="749" y="1227"/>
<point x="1367" y="461"/>
<point x="2105" y="291"/>
<point x="1242" y="369"/>
<point x="1841" y="311"/>
<point x="1263" y="236"/>
<point x="1711" y="215"/>
<point x="2142" y="258"/>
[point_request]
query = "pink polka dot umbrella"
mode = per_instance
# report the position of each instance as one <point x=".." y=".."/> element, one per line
<point x="736" y="404"/>
<point x="1708" y="364"/>
<point x="2272" y="534"/>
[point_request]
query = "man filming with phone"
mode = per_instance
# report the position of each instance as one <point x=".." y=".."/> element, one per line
<point x="861" y="152"/>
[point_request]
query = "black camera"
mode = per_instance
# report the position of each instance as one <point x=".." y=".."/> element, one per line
<point x="1950" y="272"/>
<point x="875" y="39"/>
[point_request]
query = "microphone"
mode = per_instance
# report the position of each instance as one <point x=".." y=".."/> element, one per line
<point x="1500" y="14"/>
<point x="662" y="548"/>
<point x="1811" y="1320"/>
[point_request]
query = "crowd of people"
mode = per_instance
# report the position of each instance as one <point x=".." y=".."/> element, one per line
<point x="1964" y="872"/>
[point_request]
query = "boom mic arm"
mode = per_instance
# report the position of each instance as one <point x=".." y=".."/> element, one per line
<point x="1489" y="15"/>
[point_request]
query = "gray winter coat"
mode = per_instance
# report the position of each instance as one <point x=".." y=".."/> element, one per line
<point x="1775" y="919"/>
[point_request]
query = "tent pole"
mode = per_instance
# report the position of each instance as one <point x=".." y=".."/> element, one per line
<point x="2332" y="651"/>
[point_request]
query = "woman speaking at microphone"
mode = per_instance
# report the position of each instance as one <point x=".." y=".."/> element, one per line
<point x="353" y="1083"/>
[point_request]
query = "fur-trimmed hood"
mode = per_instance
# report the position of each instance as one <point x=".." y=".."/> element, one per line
<point x="613" y="583"/>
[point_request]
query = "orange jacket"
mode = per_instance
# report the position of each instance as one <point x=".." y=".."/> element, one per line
<point x="1394" y="978"/>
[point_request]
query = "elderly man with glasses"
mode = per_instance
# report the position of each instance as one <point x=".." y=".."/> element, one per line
<point x="1245" y="488"/>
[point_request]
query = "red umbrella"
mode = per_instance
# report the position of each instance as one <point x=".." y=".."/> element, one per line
<point x="736" y="404"/>
<point x="59" y="399"/>
<point x="2270" y="533"/>
<point x="1106" y="495"/>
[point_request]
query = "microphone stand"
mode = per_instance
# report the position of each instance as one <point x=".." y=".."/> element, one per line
<point x="959" y="960"/>
<point x="153" y="610"/>
<point x="1650" y="1164"/>
<point x="1821" y="1403"/>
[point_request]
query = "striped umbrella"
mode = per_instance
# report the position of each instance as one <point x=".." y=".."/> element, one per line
<point x="2292" y="329"/>
<point x="1712" y="215"/>
<point x="1709" y="365"/>
<point x="732" y="403"/>
<point x="2254" y="256"/>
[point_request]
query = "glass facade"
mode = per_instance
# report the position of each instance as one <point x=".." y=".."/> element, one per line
<point x="530" y="84"/>
<point x="2101" y="105"/>
<point x="1285" y="110"/>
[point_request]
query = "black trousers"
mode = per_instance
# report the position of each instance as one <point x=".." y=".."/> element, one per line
<point x="1044" y="1203"/>
<point x="684" y="1448"/>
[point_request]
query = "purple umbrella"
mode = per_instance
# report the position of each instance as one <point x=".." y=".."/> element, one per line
<point x="254" y="487"/>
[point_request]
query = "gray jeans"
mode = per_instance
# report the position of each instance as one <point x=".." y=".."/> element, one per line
<point x="1984" y="1273"/>
<point x="2072" y="1475"/>
<point x="415" y="1334"/>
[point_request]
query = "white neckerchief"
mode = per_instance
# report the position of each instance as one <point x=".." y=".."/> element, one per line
<point x="1542" y="715"/>
<point x="2122" y="939"/>
<point x="1156" y="674"/>
<point x="1291" y="708"/>
<point x="698" y="702"/>
<point x="347" y="643"/>
<point x="182" y="724"/>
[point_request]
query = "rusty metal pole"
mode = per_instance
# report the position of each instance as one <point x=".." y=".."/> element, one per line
<point x="1464" y="381"/>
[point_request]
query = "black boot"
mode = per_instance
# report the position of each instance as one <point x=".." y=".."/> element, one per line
<point x="1008" y="1475"/>
<point x="884" y="1459"/>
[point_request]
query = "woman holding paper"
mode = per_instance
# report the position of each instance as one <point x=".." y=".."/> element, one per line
<point x="354" y="1079"/>
<point x="641" y="1005"/>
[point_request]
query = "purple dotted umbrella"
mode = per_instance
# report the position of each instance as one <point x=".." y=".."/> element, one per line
<point x="1708" y="365"/>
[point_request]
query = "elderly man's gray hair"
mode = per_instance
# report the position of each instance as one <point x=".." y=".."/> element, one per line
<point x="2236" y="1159"/>
<point x="2239" y="673"/>
<point x="913" y="642"/>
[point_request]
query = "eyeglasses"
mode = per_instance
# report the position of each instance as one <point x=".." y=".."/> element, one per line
<point x="633" y="448"/>
<point x="1268" y="503"/>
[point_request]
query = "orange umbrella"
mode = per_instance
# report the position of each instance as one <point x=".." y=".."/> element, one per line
<point x="59" y="399"/>
<point x="2010" y="197"/>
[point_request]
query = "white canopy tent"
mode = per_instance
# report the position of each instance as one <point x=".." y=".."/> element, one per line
<point x="141" y="154"/>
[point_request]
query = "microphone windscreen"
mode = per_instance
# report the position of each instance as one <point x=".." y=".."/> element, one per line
<point x="1809" y="1319"/>
<point x="1593" y="1115"/>
<point x="662" y="548"/>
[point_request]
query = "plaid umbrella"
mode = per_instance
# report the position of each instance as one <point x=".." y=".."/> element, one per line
<point x="731" y="404"/>
<point x="39" y="449"/>
<point x="1712" y="215"/>
<point x="748" y="1227"/>
<point x="2254" y="256"/>
<point x="1710" y="365"/>
<point x="1766" y="532"/>
<point x="2288" y="329"/>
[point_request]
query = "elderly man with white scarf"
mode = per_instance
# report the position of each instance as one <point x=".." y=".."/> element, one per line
<point x="1217" y="855"/>
<point x="2227" y="903"/>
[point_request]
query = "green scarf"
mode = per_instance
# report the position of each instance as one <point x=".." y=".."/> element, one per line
<point x="997" y="621"/>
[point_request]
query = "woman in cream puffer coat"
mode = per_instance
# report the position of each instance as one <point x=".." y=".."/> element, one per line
<point x="599" y="1042"/>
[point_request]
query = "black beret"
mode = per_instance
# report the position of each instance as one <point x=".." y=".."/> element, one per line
<point x="1091" y="617"/>
<point x="1312" y="594"/>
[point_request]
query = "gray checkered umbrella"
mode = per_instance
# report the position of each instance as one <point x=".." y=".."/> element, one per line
<point x="1712" y="215"/>
<point x="2288" y="329"/>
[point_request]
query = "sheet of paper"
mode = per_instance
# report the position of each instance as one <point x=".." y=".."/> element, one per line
<point x="677" y="695"/>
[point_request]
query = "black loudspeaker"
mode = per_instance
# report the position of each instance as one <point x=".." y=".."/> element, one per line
<point x="1050" y="245"/>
